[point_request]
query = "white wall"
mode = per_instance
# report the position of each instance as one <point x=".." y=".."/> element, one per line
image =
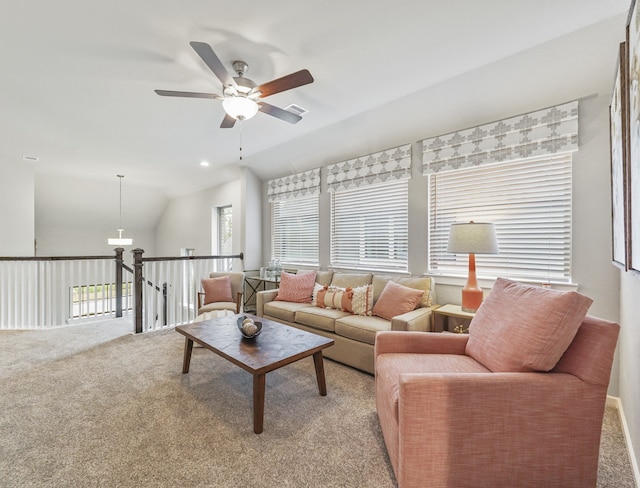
<point x="629" y="352"/>
<point x="187" y="220"/>
<point x="75" y="216"/>
<point x="579" y="66"/>
<point x="251" y="212"/>
<point x="17" y="222"/>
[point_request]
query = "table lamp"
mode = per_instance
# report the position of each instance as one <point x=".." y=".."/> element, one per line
<point x="472" y="238"/>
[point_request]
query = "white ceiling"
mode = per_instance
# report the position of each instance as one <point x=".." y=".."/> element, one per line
<point x="78" y="76"/>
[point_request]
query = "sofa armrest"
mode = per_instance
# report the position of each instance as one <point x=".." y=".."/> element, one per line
<point x="493" y="417"/>
<point x="390" y="341"/>
<point x="415" y="320"/>
<point x="263" y="297"/>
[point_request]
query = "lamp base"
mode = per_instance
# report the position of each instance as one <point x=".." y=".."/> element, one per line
<point x="471" y="299"/>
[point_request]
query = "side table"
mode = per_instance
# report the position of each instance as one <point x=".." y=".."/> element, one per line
<point x="252" y="285"/>
<point x="450" y="310"/>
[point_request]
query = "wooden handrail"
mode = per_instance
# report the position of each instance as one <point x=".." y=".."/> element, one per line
<point x="191" y="258"/>
<point x="52" y="258"/>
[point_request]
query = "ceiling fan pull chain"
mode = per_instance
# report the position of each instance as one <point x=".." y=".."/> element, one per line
<point x="240" y="140"/>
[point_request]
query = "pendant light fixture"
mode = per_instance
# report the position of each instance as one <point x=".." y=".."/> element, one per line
<point x="120" y="241"/>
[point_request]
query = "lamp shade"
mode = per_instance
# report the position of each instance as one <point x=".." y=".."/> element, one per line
<point x="473" y="238"/>
<point x="241" y="108"/>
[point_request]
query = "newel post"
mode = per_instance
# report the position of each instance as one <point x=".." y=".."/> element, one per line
<point x="119" y="262"/>
<point x="137" y="292"/>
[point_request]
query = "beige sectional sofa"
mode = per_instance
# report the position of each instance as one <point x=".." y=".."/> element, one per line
<point x="354" y="335"/>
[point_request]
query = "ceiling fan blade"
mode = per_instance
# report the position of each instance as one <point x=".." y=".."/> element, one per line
<point x="294" y="80"/>
<point x="213" y="62"/>
<point x="279" y="113"/>
<point x="228" y="122"/>
<point x="171" y="93"/>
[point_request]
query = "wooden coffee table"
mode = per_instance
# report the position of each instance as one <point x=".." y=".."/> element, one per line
<point x="276" y="346"/>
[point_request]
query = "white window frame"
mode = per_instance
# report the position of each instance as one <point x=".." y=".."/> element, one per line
<point x="529" y="201"/>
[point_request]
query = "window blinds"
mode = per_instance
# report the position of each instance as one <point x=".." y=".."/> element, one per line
<point x="294" y="218"/>
<point x="530" y="203"/>
<point x="294" y="231"/>
<point x="369" y="210"/>
<point x="369" y="227"/>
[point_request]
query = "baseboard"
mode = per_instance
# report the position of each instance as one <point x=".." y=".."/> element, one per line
<point x="615" y="402"/>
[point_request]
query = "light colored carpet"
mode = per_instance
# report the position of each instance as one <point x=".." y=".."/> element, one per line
<point x="93" y="405"/>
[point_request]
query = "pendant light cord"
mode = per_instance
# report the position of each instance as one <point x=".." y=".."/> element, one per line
<point x="120" y="217"/>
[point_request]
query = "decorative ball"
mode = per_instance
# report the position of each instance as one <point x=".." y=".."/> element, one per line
<point x="250" y="328"/>
<point x="247" y="321"/>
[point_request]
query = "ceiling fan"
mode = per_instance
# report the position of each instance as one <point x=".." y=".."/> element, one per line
<point x="239" y="94"/>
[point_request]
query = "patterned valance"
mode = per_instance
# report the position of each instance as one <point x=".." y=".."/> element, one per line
<point x="392" y="164"/>
<point x="545" y="132"/>
<point x="302" y="184"/>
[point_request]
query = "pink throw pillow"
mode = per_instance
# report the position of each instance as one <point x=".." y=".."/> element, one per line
<point x="297" y="288"/>
<point x="396" y="299"/>
<point x="217" y="289"/>
<point x="522" y="327"/>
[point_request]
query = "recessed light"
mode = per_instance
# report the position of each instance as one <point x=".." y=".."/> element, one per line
<point x="30" y="158"/>
<point x="204" y="163"/>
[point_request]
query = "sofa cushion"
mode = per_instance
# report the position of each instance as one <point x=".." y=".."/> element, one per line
<point x="283" y="310"/>
<point x="379" y="282"/>
<point x="423" y="283"/>
<point x="217" y="289"/>
<point x="296" y="288"/>
<point x="358" y="300"/>
<point x="209" y="307"/>
<point x="322" y="277"/>
<point x="361" y="328"/>
<point x="353" y="280"/>
<point x="319" y="318"/>
<point x="522" y="327"/>
<point x="396" y="299"/>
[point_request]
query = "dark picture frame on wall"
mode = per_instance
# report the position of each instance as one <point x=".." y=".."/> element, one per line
<point x="633" y="185"/>
<point x="618" y="119"/>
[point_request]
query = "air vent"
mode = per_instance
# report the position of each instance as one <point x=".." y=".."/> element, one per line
<point x="296" y="109"/>
<point x="30" y="158"/>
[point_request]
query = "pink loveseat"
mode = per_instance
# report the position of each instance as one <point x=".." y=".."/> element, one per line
<point x="491" y="410"/>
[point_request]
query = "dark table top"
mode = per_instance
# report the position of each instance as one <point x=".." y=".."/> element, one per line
<point x="277" y="345"/>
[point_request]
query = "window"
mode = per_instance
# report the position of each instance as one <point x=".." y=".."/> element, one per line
<point x="225" y="230"/>
<point x="369" y="227"/>
<point x="294" y="230"/>
<point x="223" y="238"/>
<point x="529" y="201"/>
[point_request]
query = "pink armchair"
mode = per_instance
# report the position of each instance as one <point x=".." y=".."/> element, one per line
<point x="450" y="420"/>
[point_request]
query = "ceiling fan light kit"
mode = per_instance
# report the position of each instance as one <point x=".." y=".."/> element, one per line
<point x="240" y="107"/>
<point x="240" y="94"/>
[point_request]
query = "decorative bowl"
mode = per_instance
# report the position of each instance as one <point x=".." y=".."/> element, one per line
<point x="246" y="335"/>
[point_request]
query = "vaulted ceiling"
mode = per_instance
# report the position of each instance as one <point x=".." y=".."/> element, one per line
<point x="77" y="82"/>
